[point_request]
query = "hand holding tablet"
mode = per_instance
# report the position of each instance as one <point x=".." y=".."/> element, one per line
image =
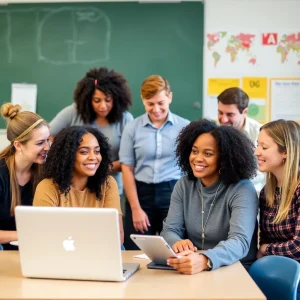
<point x="156" y="248"/>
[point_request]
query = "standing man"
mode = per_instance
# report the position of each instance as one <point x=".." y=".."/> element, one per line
<point x="232" y="111"/>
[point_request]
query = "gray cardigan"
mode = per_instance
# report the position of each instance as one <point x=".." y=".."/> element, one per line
<point x="231" y="231"/>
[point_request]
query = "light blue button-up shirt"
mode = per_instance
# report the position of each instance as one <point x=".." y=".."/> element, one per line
<point x="151" y="150"/>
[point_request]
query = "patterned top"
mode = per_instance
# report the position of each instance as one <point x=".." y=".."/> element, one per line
<point x="282" y="238"/>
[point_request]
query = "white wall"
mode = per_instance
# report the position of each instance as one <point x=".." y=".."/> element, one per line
<point x="249" y="16"/>
<point x="3" y="140"/>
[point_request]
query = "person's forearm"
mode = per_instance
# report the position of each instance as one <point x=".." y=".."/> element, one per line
<point x="130" y="187"/>
<point x="8" y="236"/>
<point x="116" y="166"/>
<point x="288" y="249"/>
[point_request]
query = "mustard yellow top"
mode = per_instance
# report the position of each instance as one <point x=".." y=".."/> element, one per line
<point x="47" y="194"/>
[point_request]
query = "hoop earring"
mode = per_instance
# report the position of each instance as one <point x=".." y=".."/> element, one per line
<point x="220" y="171"/>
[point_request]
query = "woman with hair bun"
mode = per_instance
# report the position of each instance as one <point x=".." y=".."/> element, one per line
<point x="20" y="164"/>
<point x="101" y="99"/>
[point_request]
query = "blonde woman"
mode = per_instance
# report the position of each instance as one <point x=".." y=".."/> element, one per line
<point x="20" y="164"/>
<point x="148" y="160"/>
<point x="278" y="155"/>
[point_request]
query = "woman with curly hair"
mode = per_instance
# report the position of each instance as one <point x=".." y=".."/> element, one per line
<point x="101" y="99"/>
<point x="20" y="164"/>
<point x="76" y="173"/>
<point x="214" y="207"/>
<point x="147" y="157"/>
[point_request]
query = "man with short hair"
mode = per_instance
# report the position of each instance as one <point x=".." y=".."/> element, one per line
<point x="232" y="111"/>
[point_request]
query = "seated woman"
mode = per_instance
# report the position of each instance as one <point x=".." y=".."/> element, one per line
<point x="214" y="207"/>
<point x="278" y="154"/>
<point x="76" y="173"/>
<point x="20" y="164"/>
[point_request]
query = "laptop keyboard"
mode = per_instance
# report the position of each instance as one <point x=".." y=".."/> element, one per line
<point x="124" y="271"/>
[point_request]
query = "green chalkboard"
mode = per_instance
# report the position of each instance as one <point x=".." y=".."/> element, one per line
<point x="53" y="45"/>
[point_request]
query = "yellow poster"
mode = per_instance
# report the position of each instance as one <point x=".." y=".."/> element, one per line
<point x="217" y="85"/>
<point x="255" y="87"/>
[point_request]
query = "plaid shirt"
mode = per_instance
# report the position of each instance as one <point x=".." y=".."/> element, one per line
<point x="282" y="238"/>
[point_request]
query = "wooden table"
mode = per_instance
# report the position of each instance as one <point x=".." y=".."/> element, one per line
<point x="231" y="282"/>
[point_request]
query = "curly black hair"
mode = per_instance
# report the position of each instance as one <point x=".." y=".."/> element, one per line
<point x="61" y="158"/>
<point x="110" y="83"/>
<point x="236" y="151"/>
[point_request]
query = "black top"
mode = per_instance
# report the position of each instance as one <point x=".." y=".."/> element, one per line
<point x="7" y="222"/>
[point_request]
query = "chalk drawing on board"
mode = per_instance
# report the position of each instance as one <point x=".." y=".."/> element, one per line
<point x="5" y="32"/>
<point x="79" y="35"/>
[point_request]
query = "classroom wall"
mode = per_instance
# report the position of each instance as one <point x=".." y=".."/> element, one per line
<point x="255" y="17"/>
<point x="3" y="2"/>
<point x="236" y="16"/>
<point x="3" y="140"/>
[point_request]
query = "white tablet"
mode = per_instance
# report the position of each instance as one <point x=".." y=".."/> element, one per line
<point x="156" y="248"/>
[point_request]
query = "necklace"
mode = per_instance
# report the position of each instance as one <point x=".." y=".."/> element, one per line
<point x="210" y="209"/>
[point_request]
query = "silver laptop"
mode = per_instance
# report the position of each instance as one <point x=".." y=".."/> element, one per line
<point x="71" y="243"/>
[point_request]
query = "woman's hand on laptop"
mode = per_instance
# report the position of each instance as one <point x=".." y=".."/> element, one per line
<point x="140" y="220"/>
<point x="183" y="245"/>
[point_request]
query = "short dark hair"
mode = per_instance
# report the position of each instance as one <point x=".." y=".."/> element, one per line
<point x="236" y="151"/>
<point x="61" y="158"/>
<point x="236" y="96"/>
<point x="110" y="83"/>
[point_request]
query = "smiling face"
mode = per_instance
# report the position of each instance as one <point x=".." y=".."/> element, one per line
<point x="88" y="157"/>
<point x="269" y="158"/>
<point x="157" y="107"/>
<point x="102" y="104"/>
<point x="204" y="159"/>
<point x="229" y="115"/>
<point x="35" y="150"/>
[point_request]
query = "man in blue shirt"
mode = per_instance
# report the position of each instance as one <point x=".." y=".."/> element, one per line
<point x="148" y="160"/>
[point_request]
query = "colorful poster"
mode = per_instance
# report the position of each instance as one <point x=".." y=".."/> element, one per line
<point x="285" y="99"/>
<point x="255" y="50"/>
<point x="217" y="85"/>
<point x="257" y="110"/>
<point x="255" y="87"/>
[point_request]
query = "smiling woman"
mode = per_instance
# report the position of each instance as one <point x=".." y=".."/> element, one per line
<point x="101" y="99"/>
<point x="20" y="164"/>
<point x="214" y="207"/>
<point x="76" y="173"/>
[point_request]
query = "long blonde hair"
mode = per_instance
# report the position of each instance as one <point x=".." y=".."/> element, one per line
<point x="286" y="134"/>
<point x="19" y="128"/>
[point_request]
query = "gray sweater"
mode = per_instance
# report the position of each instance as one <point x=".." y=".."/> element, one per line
<point x="231" y="231"/>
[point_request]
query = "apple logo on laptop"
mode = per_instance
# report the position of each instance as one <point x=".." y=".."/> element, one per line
<point x="69" y="244"/>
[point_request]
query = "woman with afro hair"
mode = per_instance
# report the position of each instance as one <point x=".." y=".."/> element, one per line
<point x="214" y="207"/>
<point x="76" y="173"/>
<point x="101" y="99"/>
